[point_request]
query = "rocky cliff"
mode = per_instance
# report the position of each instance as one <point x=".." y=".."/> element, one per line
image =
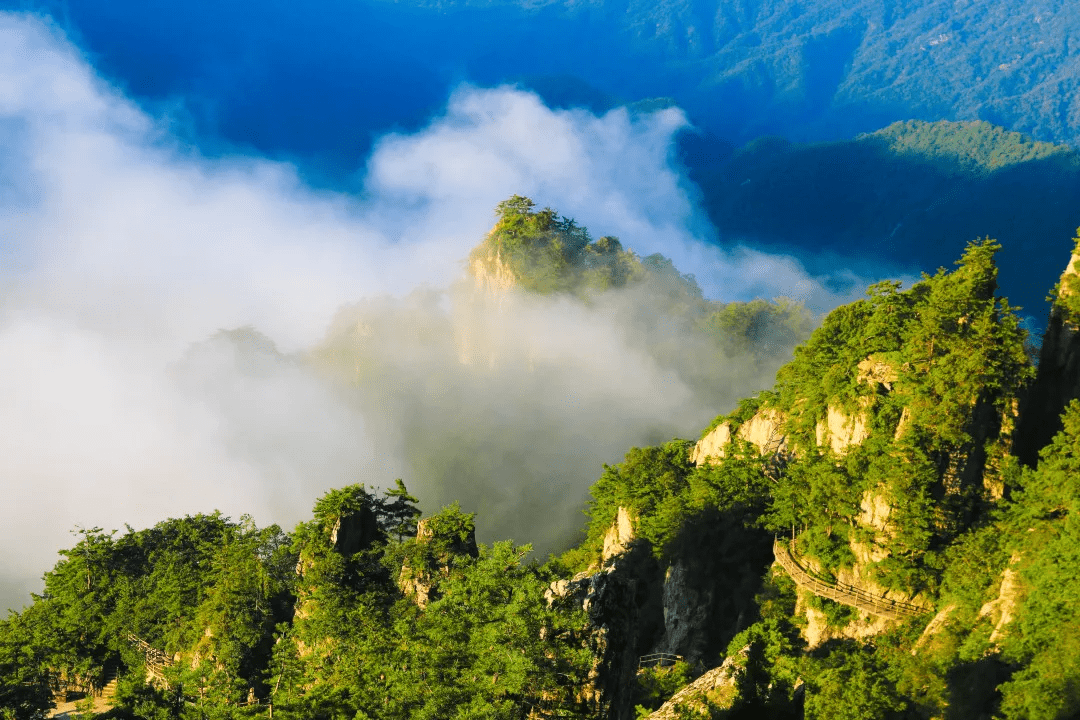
<point x="438" y="544"/>
<point x="1058" y="378"/>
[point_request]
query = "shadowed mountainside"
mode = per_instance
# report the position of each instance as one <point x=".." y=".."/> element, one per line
<point x="912" y="192"/>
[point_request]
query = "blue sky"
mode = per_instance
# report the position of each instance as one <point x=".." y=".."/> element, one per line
<point x="134" y="226"/>
<point x="317" y="82"/>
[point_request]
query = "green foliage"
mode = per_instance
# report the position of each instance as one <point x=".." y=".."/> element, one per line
<point x="547" y="253"/>
<point x="487" y="646"/>
<point x="766" y="656"/>
<point x="661" y="490"/>
<point x="957" y="358"/>
<point x="759" y="328"/>
<point x="329" y="621"/>
<point x="851" y="683"/>
<point x="24" y="667"/>
<point x="1044" y="638"/>
<point x="654" y="685"/>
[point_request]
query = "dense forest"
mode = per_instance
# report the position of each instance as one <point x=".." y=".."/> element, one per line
<point x="819" y="70"/>
<point x="862" y="540"/>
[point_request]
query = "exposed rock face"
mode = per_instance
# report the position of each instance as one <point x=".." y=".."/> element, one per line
<point x="712" y="445"/>
<point x="1001" y="609"/>
<point x="1058" y="379"/>
<point x="842" y="431"/>
<point x="837" y="430"/>
<point x="687" y="607"/>
<point x="818" y="631"/>
<point x="933" y="628"/>
<point x="420" y="584"/>
<point x="456" y="544"/>
<point x="903" y="424"/>
<point x="874" y="511"/>
<point x="764" y="429"/>
<point x="609" y="598"/>
<point x="353" y="532"/>
<point x="492" y="274"/>
<point x="875" y="371"/>
<point x="715" y="690"/>
<point x="619" y="535"/>
<point x="349" y="534"/>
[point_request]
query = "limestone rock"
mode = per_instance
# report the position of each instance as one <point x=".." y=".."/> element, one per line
<point x="903" y="424"/>
<point x="1058" y="379"/>
<point x="933" y="628"/>
<point x="712" y="445"/>
<point x="818" y="631"/>
<point x="874" y="511"/>
<point x="1002" y="609"/>
<point x="354" y="532"/>
<point x="420" y="584"/>
<point x="876" y="371"/>
<point x="609" y="599"/>
<point x="717" y="689"/>
<point x="492" y="275"/>
<point x="686" y="613"/>
<point x="619" y="536"/>
<point x="764" y="429"/>
<point x="842" y="431"/>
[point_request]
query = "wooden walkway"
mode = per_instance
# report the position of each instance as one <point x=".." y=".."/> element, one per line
<point x="842" y="592"/>
<point x="156" y="660"/>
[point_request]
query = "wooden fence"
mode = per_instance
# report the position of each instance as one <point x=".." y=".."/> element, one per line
<point x="842" y="592"/>
<point x="156" y="660"/>
<point x="658" y="660"/>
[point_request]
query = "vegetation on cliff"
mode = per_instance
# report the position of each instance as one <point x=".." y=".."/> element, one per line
<point x="884" y="456"/>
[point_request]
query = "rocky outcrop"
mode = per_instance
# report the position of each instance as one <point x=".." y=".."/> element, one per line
<point x="619" y="536"/>
<point x="349" y="534"/>
<point x="1058" y="379"/>
<point x="1002" y="609"/>
<point x="609" y="598"/>
<point x="687" y="604"/>
<point x="876" y="608"/>
<point x="876" y="371"/>
<point x="933" y="628"/>
<point x="840" y="431"/>
<point x="491" y="274"/>
<point x="716" y="690"/>
<point x="712" y="445"/>
<point x="874" y="512"/>
<point x="355" y="531"/>
<point x="764" y="430"/>
<point x="818" y="630"/>
<point x="419" y="578"/>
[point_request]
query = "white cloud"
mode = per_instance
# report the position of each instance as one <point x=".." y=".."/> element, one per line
<point x="122" y="248"/>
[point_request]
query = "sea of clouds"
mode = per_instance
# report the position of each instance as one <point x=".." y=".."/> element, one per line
<point x="123" y="251"/>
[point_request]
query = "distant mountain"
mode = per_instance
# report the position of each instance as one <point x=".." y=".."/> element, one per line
<point x="827" y="69"/>
<point x="317" y="82"/>
<point x="913" y="192"/>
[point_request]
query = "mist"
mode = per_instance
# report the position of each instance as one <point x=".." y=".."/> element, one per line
<point x="354" y="348"/>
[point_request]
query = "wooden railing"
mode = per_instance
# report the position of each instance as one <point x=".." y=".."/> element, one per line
<point x="843" y="593"/>
<point x="156" y="660"/>
<point x="658" y="660"/>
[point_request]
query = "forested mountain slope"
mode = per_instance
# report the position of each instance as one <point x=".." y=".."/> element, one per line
<point x="812" y="70"/>
<point x="911" y="193"/>
<point x="923" y="527"/>
<point x="826" y="69"/>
